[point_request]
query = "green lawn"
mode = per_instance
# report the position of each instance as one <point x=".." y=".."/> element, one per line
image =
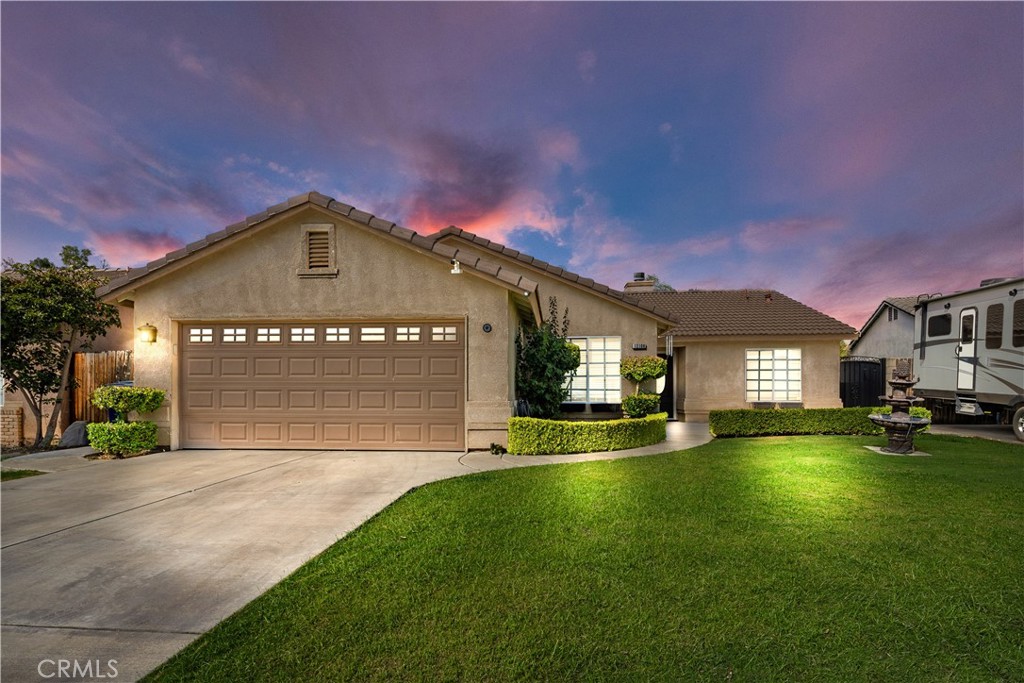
<point x="8" y="475"/>
<point x="785" y="559"/>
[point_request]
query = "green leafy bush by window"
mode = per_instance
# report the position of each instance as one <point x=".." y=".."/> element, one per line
<point x="545" y="362"/>
<point x="122" y="439"/>
<point x="839" y="421"/>
<point x="533" y="436"/>
<point x="640" y="405"/>
<point x="639" y="369"/>
<point x="125" y="400"/>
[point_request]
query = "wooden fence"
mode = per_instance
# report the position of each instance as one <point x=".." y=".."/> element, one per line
<point x="93" y="370"/>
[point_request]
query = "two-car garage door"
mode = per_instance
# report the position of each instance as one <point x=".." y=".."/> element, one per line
<point x="345" y="385"/>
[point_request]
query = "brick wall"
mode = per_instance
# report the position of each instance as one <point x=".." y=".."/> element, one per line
<point x="11" y="426"/>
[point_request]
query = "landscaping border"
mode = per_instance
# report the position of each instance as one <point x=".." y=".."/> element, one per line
<point x="534" y="436"/>
<point x="799" y="421"/>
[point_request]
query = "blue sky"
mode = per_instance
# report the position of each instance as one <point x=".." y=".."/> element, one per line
<point x="838" y="152"/>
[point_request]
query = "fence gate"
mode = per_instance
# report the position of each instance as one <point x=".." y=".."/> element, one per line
<point x="93" y="370"/>
<point x="861" y="381"/>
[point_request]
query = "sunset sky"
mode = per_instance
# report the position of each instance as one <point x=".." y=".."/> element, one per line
<point x="838" y="152"/>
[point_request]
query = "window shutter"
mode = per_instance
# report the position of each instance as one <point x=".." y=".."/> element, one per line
<point x="318" y="250"/>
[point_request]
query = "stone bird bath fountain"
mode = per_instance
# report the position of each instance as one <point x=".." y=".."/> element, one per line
<point x="900" y="426"/>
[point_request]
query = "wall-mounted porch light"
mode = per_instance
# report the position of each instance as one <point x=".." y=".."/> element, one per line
<point x="147" y="334"/>
<point x="456" y="267"/>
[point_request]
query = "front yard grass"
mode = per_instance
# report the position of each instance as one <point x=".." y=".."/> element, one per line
<point x="9" y="475"/>
<point x="781" y="559"/>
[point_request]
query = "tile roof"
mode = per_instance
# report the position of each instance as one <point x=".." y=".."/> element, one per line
<point x="742" y="312"/>
<point x="395" y="232"/>
<point x="904" y="303"/>
<point x="556" y="271"/>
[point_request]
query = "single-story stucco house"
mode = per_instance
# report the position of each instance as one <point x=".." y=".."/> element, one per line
<point x="316" y="325"/>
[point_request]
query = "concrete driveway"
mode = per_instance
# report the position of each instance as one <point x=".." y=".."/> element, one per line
<point x="130" y="560"/>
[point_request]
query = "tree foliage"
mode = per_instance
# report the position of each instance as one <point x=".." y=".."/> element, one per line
<point x="545" y="361"/>
<point x="48" y="313"/>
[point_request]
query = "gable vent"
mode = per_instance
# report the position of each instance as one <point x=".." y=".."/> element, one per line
<point x="319" y="250"/>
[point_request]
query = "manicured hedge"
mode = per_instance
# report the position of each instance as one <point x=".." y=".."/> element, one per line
<point x="533" y="436"/>
<point x="792" y="422"/>
<point x="122" y="438"/>
<point x="640" y="405"/>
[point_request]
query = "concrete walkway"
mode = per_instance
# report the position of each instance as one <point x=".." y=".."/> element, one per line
<point x="131" y="560"/>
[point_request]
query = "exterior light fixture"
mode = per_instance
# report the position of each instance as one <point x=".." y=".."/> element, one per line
<point x="147" y="334"/>
<point x="456" y="267"/>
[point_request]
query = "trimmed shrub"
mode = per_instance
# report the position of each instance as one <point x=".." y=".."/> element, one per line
<point x="639" y="369"/>
<point x="122" y="438"/>
<point x="794" y="422"/>
<point x="533" y="436"/>
<point x="125" y="400"/>
<point x="640" y="405"/>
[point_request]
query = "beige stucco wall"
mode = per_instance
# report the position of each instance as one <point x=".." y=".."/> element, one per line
<point x="254" y="278"/>
<point x="714" y="373"/>
<point x="590" y="315"/>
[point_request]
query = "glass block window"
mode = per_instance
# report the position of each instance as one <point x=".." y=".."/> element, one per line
<point x="407" y="334"/>
<point x="443" y="334"/>
<point x="597" y="380"/>
<point x="773" y="375"/>
<point x="337" y="334"/>
<point x="268" y="334"/>
<point x="373" y="334"/>
<point x="233" y="335"/>
<point x="200" y="335"/>
<point x="303" y="334"/>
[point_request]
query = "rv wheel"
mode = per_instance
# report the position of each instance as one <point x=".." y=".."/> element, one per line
<point x="1018" y="423"/>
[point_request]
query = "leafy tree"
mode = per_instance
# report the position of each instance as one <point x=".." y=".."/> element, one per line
<point x="545" y="361"/>
<point x="48" y="313"/>
<point x="659" y="284"/>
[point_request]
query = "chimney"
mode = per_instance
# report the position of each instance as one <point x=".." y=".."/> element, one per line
<point x="640" y="283"/>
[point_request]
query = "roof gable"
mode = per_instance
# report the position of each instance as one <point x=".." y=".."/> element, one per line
<point x="454" y="234"/>
<point x="743" y="312"/>
<point x="494" y="272"/>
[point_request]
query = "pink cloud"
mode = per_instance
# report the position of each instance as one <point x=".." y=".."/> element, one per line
<point x="559" y="147"/>
<point x="131" y="246"/>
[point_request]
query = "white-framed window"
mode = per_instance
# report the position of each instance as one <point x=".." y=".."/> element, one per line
<point x="443" y="334"/>
<point x="773" y="375"/>
<point x="303" y="334"/>
<point x="597" y="380"/>
<point x="373" y="334"/>
<point x="407" y="334"/>
<point x="233" y="335"/>
<point x="200" y="335"/>
<point x="268" y="334"/>
<point x="338" y="334"/>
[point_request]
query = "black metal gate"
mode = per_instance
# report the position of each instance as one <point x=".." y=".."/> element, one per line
<point x="861" y="381"/>
<point x="667" y="394"/>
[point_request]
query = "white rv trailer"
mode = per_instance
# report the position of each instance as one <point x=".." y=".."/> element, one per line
<point x="969" y="351"/>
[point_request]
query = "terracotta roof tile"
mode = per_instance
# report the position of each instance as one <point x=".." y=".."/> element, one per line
<point x="338" y="207"/>
<point x="381" y="224"/>
<point x="741" y="312"/>
<point x="360" y="216"/>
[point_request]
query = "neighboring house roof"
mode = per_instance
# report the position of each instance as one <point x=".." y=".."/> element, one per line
<point x="175" y="259"/>
<point x="907" y="304"/>
<point x="904" y="303"/>
<point x="743" y="312"/>
<point x="556" y="271"/>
